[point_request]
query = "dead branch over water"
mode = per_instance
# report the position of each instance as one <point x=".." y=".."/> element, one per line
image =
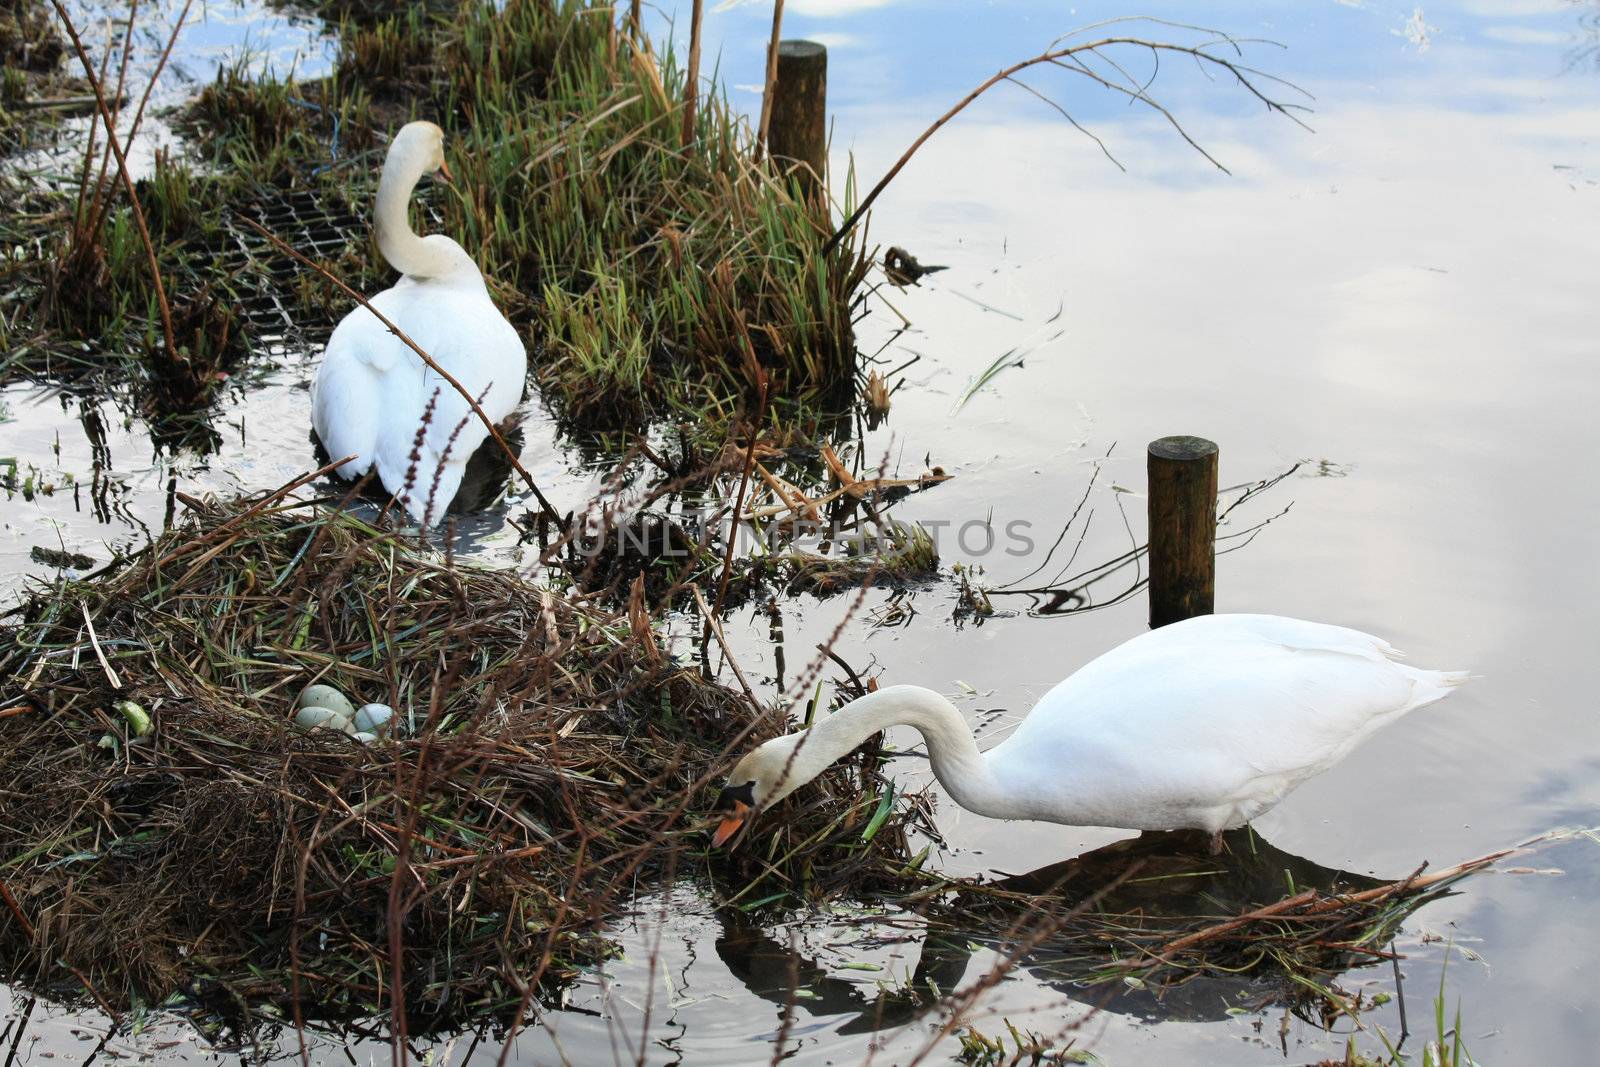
<point x="1092" y="60"/>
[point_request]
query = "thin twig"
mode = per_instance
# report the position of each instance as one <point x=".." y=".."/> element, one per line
<point x="962" y="1002"/>
<point x="89" y="147"/>
<point x="772" y="79"/>
<point x="28" y="930"/>
<point x="97" y="218"/>
<point x="738" y="500"/>
<point x="716" y="627"/>
<point x="116" y="103"/>
<point x="1058" y="57"/>
<point x="692" y="74"/>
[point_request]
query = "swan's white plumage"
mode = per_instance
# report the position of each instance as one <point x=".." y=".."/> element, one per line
<point x="1208" y="722"/>
<point x="371" y="389"/>
<point x="1203" y="724"/>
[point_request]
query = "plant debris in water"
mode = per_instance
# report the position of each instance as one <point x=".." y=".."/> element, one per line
<point x="1155" y="926"/>
<point x="34" y="87"/>
<point x="552" y="758"/>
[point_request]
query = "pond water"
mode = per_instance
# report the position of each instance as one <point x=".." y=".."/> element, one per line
<point x="1402" y="302"/>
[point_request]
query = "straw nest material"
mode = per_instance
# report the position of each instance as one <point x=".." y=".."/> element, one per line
<point x="551" y="758"/>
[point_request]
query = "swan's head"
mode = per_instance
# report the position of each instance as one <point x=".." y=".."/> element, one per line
<point x="764" y="777"/>
<point x="422" y="145"/>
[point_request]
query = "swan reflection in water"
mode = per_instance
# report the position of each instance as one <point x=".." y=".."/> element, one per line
<point x="1176" y="883"/>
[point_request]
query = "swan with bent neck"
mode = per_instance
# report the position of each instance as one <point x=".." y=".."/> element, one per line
<point x="372" y="390"/>
<point x="1203" y="724"/>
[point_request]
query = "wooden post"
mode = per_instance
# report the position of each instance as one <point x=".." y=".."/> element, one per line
<point x="798" y="138"/>
<point x="1182" y="478"/>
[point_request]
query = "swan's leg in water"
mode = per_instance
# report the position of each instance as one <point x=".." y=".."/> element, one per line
<point x="1216" y="842"/>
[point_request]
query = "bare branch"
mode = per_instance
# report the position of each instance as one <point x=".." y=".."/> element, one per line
<point x="772" y="78"/>
<point x="1070" y="58"/>
<point x="1075" y="123"/>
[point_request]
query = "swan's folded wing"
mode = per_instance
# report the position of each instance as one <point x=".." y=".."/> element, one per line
<point x="346" y="398"/>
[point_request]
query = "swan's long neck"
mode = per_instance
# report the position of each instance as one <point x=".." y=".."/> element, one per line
<point x="391" y="224"/>
<point x="957" y="763"/>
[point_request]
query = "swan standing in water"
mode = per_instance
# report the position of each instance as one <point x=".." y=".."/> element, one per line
<point x="371" y="388"/>
<point x="1203" y="724"/>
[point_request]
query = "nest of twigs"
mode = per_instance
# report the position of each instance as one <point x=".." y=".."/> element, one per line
<point x="552" y="758"/>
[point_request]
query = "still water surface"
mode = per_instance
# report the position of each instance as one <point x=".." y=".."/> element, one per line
<point x="1403" y="301"/>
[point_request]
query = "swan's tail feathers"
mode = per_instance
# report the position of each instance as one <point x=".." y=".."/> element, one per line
<point x="437" y="482"/>
<point x="425" y="486"/>
<point x="437" y="497"/>
<point x="1429" y="686"/>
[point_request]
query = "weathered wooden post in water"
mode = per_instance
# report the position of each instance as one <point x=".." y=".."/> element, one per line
<point x="1182" y="482"/>
<point x="798" y="135"/>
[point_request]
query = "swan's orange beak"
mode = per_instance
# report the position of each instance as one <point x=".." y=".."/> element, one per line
<point x="444" y="172"/>
<point x="730" y="825"/>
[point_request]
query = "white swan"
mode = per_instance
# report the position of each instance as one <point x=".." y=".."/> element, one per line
<point x="371" y="388"/>
<point x="1202" y="724"/>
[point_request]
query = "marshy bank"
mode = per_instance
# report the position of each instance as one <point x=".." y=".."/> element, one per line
<point x="659" y="268"/>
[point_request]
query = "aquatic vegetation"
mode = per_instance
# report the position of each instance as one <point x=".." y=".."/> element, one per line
<point x="390" y="53"/>
<point x="35" y="91"/>
<point x="103" y="270"/>
<point x="658" y="278"/>
<point x="901" y="554"/>
<point x="1025" y="1049"/>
